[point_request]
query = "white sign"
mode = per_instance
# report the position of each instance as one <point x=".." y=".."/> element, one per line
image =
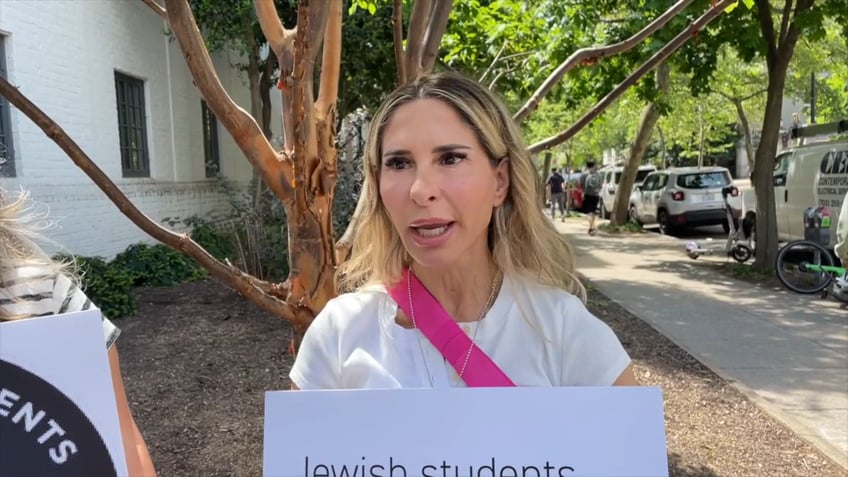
<point x="468" y="432"/>
<point x="58" y="415"/>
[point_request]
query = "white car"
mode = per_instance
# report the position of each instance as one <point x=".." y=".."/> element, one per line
<point x="684" y="197"/>
<point x="612" y="177"/>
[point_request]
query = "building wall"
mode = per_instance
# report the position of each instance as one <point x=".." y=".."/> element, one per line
<point x="63" y="56"/>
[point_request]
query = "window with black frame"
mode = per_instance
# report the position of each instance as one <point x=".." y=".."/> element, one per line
<point x="132" y="126"/>
<point x="211" y="152"/>
<point x="7" y="153"/>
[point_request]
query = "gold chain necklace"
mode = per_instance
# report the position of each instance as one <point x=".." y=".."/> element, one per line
<point x="483" y="312"/>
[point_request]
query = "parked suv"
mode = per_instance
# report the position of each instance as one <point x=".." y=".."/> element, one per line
<point x="612" y="177"/>
<point x="684" y="197"/>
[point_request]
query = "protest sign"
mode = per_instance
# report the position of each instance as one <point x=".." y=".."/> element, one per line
<point x="470" y="432"/>
<point x="58" y="415"/>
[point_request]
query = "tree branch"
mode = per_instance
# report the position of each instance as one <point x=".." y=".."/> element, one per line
<point x="328" y="91"/>
<point x="397" y="34"/>
<point x="241" y="125"/>
<point x="312" y="23"/>
<point x="156" y="8"/>
<point x="746" y="131"/>
<point x="315" y="26"/>
<point x="714" y="11"/>
<point x="271" y="25"/>
<point x="596" y="53"/>
<point x="753" y="95"/>
<point x="281" y="42"/>
<point x="285" y="59"/>
<point x="767" y="27"/>
<point x="418" y="20"/>
<point x="784" y="21"/>
<point x="248" y="286"/>
<point x="494" y="62"/>
<point x="439" y="16"/>
<point x="792" y="32"/>
<point x="506" y="71"/>
<point x="741" y="99"/>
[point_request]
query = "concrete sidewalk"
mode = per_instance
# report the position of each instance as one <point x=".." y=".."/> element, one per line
<point x="787" y="352"/>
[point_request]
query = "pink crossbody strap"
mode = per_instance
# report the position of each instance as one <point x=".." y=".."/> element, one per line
<point x="445" y="334"/>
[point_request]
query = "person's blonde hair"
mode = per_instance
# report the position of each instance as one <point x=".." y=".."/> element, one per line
<point x="522" y="239"/>
<point x="21" y="226"/>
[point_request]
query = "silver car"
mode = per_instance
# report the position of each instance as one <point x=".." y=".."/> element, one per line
<point x="684" y="197"/>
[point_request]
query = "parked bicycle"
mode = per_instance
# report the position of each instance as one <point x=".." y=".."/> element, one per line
<point x="807" y="267"/>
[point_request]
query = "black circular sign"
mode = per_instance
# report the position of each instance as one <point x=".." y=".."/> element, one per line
<point x="43" y="433"/>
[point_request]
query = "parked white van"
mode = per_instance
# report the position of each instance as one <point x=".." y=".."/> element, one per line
<point x="612" y="176"/>
<point x="806" y="176"/>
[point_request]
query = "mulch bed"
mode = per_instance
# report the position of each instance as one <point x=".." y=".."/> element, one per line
<point x="198" y="358"/>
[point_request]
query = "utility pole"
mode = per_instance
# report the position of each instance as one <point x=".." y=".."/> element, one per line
<point x="812" y="98"/>
<point x="701" y="148"/>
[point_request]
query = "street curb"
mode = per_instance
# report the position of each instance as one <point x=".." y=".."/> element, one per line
<point x="787" y="420"/>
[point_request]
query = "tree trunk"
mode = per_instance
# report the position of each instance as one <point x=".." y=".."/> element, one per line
<point x="763" y="176"/>
<point x="546" y="171"/>
<point x="637" y="152"/>
<point x="780" y="48"/>
<point x="746" y="132"/>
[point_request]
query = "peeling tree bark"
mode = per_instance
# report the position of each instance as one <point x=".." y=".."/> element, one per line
<point x="263" y="294"/>
<point x="303" y="174"/>
<point x="310" y="142"/>
<point x="239" y="123"/>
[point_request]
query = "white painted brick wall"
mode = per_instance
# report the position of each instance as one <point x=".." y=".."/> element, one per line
<point x="63" y="55"/>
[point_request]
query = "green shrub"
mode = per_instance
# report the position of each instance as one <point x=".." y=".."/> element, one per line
<point x="213" y="240"/>
<point x="157" y="265"/>
<point x="109" y="287"/>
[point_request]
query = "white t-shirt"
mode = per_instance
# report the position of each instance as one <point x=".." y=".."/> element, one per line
<point x="34" y="291"/>
<point x="539" y="336"/>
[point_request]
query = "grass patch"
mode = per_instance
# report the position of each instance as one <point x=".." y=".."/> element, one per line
<point x="626" y="228"/>
<point x="745" y="272"/>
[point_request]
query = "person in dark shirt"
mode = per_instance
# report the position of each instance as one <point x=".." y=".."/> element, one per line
<point x="554" y="184"/>
<point x="591" y="181"/>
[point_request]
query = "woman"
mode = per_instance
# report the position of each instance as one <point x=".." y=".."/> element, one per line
<point x="453" y="206"/>
<point x="31" y="284"/>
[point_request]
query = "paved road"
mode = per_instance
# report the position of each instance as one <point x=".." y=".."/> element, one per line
<point x="788" y="352"/>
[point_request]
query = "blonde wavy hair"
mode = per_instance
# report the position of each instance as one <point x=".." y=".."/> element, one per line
<point x="21" y="226"/>
<point x="521" y="238"/>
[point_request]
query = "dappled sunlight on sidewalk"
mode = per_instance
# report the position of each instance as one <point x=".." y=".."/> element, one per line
<point x="788" y="352"/>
